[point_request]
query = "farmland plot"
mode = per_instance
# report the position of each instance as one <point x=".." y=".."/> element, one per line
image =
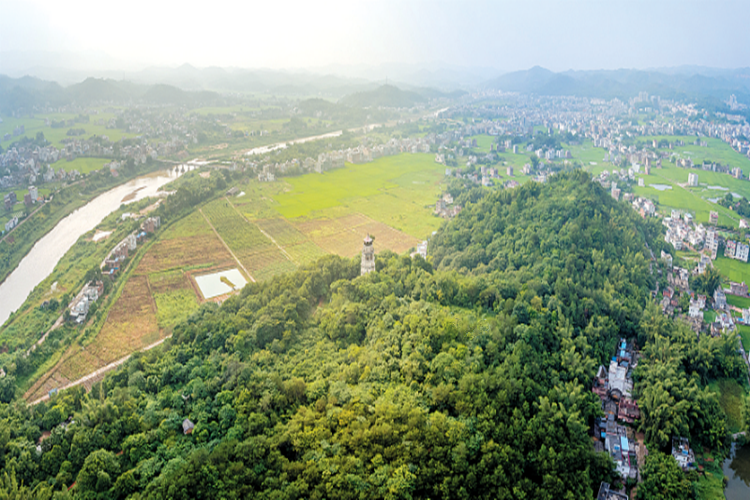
<point x="282" y="231"/>
<point x="184" y="252"/>
<point x="266" y="263"/>
<point x="132" y="323"/>
<point x="237" y="232"/>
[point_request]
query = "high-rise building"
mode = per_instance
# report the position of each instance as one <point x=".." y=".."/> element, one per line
<point x="368" y="256"/>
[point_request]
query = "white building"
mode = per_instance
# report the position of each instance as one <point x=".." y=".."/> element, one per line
<point x="692" y="179"/>
<point x="742" y="252"/>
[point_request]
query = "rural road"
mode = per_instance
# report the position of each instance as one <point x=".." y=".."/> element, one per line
<point x="44" y="337"/>
<point x="100" y="371"/>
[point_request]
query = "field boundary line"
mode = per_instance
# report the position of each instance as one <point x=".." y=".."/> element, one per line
<point x="100" y="371"/>
<point x="286" y="254"/>
<point x="226" y="246"/>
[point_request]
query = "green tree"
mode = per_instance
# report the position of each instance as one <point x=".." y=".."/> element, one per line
<point x="98" y="474"/>
<point x="7" y="388"/>
<point x="663" y="479"/>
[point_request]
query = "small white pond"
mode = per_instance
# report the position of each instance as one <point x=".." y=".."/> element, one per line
<point x="718" y="188"/>
<point x="661" y="187"/>
<point x="223" y="282"/>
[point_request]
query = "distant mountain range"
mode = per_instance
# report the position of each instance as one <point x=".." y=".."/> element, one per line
<point x="709" y="87"/>
<point x="23" y="94"/>
<point x="392" y="97"/>
<point x="188" y="85"/>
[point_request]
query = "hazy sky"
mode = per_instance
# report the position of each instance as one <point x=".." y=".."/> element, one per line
<point x="559" y="35"/>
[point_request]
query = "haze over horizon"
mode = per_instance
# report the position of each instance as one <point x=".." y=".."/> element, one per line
<point x="330" y="35"/>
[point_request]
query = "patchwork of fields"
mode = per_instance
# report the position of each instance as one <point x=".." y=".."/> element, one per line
<point x="273" y="229"/>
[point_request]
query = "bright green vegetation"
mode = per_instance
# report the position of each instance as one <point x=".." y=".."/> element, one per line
<point x="396" y="190"/>
<point x="685" y="199"/>
<point x="694" y="200"/>
<point x="731" y="396"/>
<point x="733" y="270"/>
<point x="717" y="151"/>
<point x="741" y="302"/>
<point x="709" y="316"/>
<point x="234" y="229"/>
<point x="483" y="142"/>
<point x="57" y="135"/>
<point x="587" y="154"/>
<point x="710" y="486"/>
<point x="745" y="336"/>
<point x="175" y="307"/>
<point x="663" y="479"/>
<point x="442" y="379"/>
<point x="83" y="165"/>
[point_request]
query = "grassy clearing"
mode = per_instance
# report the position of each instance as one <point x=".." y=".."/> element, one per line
<point x="83" y="165"/>
<point x="411" y="181"/>
<point x="684" y="199"/>
<point x="97" y="126"/>
<point x="745" y="336"/>
<point x="717" y="151"/>
<point x="731" y="395"/>
<point x="174" y="307"/>
<point x="709" y="316"/>
<point x="732" y="269"/>
<point x="741" y="302"/>
<point x="483" y="143"/>
<point x="710" y="486"/>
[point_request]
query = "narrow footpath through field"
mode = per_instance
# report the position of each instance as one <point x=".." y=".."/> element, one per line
<point x="226" y="246"/>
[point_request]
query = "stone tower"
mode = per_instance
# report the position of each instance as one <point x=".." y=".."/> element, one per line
<point x="368" y="256"/>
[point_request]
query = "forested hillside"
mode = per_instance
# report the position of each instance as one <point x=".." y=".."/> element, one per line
<point x="464" y="376"/>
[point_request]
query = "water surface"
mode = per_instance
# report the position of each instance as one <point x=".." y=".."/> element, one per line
<point x="737" y="469"/>
<point x="47" y="252"/>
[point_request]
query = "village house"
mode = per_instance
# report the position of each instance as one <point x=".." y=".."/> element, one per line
<point x="187" y="426"/>
<point x="737" y="289"/>
<point x="682" y="452"/>
<point x="720" y="300"/>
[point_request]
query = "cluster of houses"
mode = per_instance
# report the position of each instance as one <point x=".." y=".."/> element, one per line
<point x="643" y="206"/>
<point x="551" y="154"/>
<point x="614" y="387"/>
<point x="682" y="232"/>
<point x="445" y="208"/>
<point x="736" y="250"/>
<point x="357" y="155"/>
<point x="29" y="198"/>
<point x="678" y="283"/>
<point x="129" y="244"/>
<point x="79" y="307"/>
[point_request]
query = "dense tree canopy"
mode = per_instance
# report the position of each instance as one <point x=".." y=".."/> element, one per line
<point x="465" y="377"/>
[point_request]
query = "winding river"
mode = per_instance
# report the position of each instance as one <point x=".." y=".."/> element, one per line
<point x="47" y="252"/>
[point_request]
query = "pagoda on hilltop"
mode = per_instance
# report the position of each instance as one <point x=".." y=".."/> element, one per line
<point x="368" y="256"/>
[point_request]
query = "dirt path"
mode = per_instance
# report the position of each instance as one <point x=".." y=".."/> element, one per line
<point x="54" y="327"/>
<point x="226" y="246"/>
<point x="101" y="371"/>
<point x="262" y="231"/>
